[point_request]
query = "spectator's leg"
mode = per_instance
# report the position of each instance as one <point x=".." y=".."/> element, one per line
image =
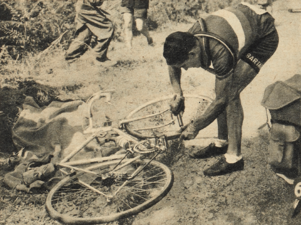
<point x="142" y="28"/>
<point x="140" y="18"/>
<point x="101" y="48"/>
<point x="128" y="29"/>
<point x="79" y="45"/>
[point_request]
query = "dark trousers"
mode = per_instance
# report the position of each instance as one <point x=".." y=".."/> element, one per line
<point x="81" y="44"/>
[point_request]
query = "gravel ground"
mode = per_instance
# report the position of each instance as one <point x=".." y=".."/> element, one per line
<point x="253" y="196"/>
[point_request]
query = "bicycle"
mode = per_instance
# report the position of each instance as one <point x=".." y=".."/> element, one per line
<point x="129" y="181"/>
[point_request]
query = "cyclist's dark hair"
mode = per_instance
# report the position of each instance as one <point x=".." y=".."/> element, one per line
<point x="177" y="46"/>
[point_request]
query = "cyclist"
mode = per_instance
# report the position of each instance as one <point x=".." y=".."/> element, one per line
<point x="239" y="41"/>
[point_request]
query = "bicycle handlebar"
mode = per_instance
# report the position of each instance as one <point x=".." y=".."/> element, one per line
<point x="107" y="94"/>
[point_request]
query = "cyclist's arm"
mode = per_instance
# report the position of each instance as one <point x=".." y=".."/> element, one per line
<point x="227" y="89"/>
<point x="175" y="79"/>
<point x="217" y="106"/>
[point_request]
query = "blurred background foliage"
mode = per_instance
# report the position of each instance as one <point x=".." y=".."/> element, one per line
<point x="30" y="26"/>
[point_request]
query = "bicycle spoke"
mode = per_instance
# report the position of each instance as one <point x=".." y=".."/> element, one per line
<point x="138" y="195"/>
<point x="140" y="189"/>
<point x="156" y="175"/>
<point x="155" y="127"/>
<point x="155" y="123"/>
<point x="82" y="202"/>
<point x="126" y="203"/>
<point x="156" y="182"/>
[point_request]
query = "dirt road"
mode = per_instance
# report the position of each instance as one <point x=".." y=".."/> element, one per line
<point x="254" y="196"/>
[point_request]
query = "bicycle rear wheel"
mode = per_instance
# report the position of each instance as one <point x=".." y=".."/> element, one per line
<point x="72" y="202"/>
<point x="161" y="123"/>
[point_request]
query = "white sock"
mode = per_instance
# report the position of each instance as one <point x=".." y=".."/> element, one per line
<point x="232" y="158"/>
<point x="220" y="143"/>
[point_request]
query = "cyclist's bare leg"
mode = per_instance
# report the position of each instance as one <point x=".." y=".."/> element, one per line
<point x="242" y="76"/>
<point x="234" y="122"/>
<point x="222" y="126"/>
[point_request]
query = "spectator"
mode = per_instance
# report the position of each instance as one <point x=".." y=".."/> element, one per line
<point x="135" y="9"/>
<point x="91" y="20"/>
<point x="233" y="43"/>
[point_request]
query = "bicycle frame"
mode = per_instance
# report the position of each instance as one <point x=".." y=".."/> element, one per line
<point x="159" y="146"/>
<point x="133" y="165"/>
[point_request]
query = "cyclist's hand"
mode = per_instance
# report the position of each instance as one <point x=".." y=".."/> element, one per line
<point x="177" y="104"/>
<point x="188" y="132"/>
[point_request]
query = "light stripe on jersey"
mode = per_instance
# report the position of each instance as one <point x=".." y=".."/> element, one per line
<point x="254" y="8"/>
<point x="236" y="25"/>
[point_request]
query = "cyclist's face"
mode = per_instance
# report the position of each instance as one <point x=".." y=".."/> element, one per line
<point x="193" y="61"/>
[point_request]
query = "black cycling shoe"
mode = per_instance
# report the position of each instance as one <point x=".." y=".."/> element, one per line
<point x="222" y="167"/>
<point x="209" y="151"/>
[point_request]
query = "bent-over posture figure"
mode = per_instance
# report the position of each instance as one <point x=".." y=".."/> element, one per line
<point x="233" y="43"/>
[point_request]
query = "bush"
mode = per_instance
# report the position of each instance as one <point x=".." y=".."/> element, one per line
<point x="32" y="26"/>
<point x="183" y="11"/>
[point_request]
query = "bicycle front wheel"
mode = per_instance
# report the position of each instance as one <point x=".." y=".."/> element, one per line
<point x="72" y="202"/>
<point x="153" y="119"/>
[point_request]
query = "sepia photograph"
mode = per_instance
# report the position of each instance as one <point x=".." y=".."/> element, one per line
<point x="150" y="112"/>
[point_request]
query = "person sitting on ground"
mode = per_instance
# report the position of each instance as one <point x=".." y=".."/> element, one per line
<point x="135" y="9"/>
<point x="233" y="43"/>
<point x="91" y="20"/>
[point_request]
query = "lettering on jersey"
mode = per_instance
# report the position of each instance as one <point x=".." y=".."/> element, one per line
<point x="254" y="60"/>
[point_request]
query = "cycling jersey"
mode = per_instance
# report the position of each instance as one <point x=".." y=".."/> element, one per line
<point x="248" y="30"/>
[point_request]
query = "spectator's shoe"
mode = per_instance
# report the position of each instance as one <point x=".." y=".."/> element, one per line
<point x="222" y="167"/>
<point x="70" y="59"/>
<point x="209" y="151"/>
<point x="150" y="41"/>
<point x="289" y="175"/>
<point x="106" y="62"/>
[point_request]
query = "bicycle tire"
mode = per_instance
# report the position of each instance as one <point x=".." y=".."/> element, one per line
<point x="58" y="200"/>
<point x="162" y="104"/>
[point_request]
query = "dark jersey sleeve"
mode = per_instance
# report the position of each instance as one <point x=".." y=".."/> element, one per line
<point x="222" y="60"/>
